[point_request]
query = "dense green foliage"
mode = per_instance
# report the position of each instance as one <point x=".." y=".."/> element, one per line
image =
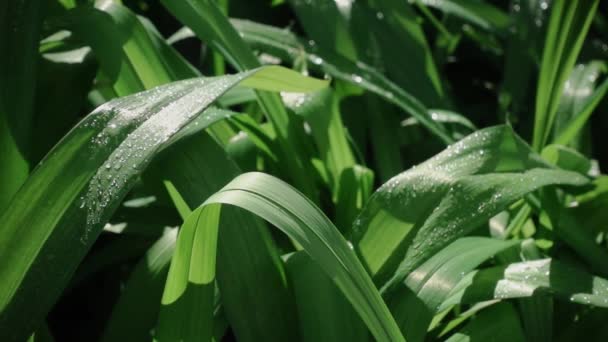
<point x="433" y="169"/>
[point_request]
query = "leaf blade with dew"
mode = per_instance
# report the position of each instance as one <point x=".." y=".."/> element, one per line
<point x="287" y="46"/>
<point x="206" y="19"/>
<point x="131" y="52"/>
<point x="524" y="279"/>
<point x="430" y="284"/>
<point x="98" y="161"/>
<point x="376" y="27"/>
<point x="412" y="212"/>
<point x="295" y="215"/>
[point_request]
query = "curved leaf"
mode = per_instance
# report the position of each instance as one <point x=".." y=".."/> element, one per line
<point x="78" y="185"/>
<point x="296" y="216"/>
<point x="430" y="284"/>
<point x="420" y="211"/>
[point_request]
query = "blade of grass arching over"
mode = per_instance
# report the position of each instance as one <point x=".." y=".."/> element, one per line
<point x="211" y="25"/>
<point x="524" y="279"/>
<point x="420" y="211"/>
<point x="295" y="215"/>
<point x="20" y="23"/>
<point x="93" y="167"/>
<point x="499" y="323"/>
<point x="430" y="284"/>
<point x="250" y="275"/>
<point x="578" y="102"/>
<point x="324" y="314"/>
<point x="568" y="26"/>
<point x="286" y="45"/>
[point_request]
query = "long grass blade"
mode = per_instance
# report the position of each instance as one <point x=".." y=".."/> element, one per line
<point x="93" y="167"/>
<point x="296" y="216"/>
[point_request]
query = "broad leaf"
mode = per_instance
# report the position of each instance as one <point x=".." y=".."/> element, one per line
<point x="78" y="185"/>
<point x="296" y="216"/>
<point x="525" y="279"/>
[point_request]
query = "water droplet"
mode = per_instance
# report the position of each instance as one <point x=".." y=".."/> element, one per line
<point x="379" y="15"/>
<point x="357" y="78"/>
<point x="316" y="59"/>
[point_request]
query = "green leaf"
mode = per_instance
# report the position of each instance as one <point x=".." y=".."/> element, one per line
<point x="420" y="211"/>
<point x="566" y="158"/>
<point x="579" y="100"/>
<point x="93" y="167"/>
<point x="568" y="26"/>
<point x="206" y="19"/>
<point x="570" y="230"/>
<point x="136" y="311"/>
<point x="321" y="110"/>
<point x="377" y="26"/>
<point x="522" y="53"/>
<point x="132" y="54"/>
<point x="122" y="45"/>
<point x="430" y="284"/>
<point x="524" y="279"/>
<point x="250" y="274"/>
<point x="296" y="216"/>
<point x="286" y="45"/>
<point x="354" y="189"/>
<point x="20" y="23"/>
<point x="480" y="13"/>
<point x="324" y="313"/>
<point x="326" y="24"/>
<point x="497" y="323"/>
<point x="384" y="135"/>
